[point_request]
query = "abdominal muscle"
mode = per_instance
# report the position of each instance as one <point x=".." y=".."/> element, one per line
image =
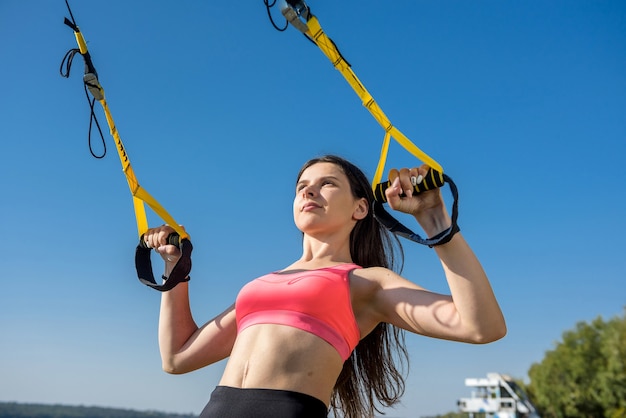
<point x="268" y="356"/>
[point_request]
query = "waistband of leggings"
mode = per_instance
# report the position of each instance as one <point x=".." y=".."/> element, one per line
<point x="269" y="394"/>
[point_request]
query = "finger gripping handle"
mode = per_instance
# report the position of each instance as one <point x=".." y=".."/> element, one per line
<point x="432" y="180"/>
<point x="172" y="239"/>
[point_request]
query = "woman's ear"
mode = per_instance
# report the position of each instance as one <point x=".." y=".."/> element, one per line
<point x="361" y="210"/>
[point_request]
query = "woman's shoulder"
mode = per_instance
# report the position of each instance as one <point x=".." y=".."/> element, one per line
<point x="366" y="285"/>
<point x="373" y="275"/>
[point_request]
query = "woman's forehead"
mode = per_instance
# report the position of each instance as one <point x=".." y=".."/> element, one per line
<point x="322" y="169"/>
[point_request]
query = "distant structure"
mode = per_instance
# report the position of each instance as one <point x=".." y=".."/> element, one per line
<point x="497" y="396"/>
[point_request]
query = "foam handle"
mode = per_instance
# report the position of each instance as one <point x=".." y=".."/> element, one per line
<point x="172" y="239"/>
<point x="432" y="180"/>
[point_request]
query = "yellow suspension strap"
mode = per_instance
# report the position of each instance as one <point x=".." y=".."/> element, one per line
<point x="140" y="196"/>
<point x="299" y="15"/>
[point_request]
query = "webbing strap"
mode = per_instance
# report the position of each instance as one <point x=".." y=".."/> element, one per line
<point x="327" y="46"/>
<point x="140" y="196"/>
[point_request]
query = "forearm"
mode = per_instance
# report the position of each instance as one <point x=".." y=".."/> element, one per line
<point x="176" y="324"/>
<point x="476" y="305"/>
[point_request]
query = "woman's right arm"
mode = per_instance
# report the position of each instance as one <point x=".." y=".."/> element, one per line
<point x="183" y="345"/>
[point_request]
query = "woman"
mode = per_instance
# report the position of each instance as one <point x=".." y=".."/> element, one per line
<point x="323" y="332"/>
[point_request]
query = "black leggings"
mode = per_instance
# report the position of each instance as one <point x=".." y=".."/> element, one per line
<point x="229" y="402"/>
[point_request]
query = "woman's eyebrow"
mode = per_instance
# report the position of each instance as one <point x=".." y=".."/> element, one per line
<point x="328" y="177"/>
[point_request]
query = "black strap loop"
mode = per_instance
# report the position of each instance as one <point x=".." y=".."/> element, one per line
<point x="397" y="228"/>
<point x="179" y="274"/>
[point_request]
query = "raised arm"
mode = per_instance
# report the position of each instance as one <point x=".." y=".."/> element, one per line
<point x="183" y="345"/>
<point x="471" y="312"/>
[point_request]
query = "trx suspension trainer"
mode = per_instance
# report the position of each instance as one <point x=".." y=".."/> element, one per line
<point x="180" y="238"/>
<point x="299" y="15"/>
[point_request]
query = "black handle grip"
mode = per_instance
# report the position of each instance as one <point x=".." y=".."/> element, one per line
<point x="432" y="180"/>
<point x="172" y="239"/>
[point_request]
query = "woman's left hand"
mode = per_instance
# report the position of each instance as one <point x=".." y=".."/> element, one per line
<point x="427" y="207"/>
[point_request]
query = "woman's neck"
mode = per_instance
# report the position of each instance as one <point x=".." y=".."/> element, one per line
<point x="324" y="252"/>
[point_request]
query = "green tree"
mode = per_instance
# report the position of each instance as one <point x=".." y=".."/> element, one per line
<point x="612" y="380"/>
<point x="585" y="375"/>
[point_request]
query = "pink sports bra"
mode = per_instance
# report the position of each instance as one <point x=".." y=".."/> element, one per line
<point x="316" y="301"/>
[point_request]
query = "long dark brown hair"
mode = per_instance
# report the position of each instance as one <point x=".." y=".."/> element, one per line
<point x="370" y="378"/>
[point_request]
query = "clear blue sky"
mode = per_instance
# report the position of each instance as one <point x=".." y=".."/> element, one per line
<point x="522" y="102"/>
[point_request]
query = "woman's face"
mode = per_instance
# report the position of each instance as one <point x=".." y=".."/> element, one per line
<point x="324" y="202"/>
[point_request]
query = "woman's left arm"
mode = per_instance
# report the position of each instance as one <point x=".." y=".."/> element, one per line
<point x="477" y="310"/>
<point x="471" y="312"/>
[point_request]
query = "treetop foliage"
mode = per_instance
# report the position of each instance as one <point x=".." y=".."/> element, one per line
<point x="585" y="374"/>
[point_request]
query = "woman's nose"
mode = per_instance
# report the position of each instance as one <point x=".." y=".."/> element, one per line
<point x="308" y="191"/>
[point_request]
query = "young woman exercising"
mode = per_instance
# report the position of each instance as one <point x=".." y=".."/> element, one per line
<point x="323" y="332"/>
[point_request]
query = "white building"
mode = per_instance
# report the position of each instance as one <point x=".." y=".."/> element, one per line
<point x="497" y="396"/>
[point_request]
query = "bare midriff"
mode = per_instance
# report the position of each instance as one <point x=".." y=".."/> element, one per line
<point x="281" y="357"/>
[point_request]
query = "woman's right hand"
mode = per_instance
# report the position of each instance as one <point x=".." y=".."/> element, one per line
<point x="156" y="238"/>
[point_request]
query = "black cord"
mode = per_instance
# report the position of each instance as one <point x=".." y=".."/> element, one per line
<point x="66" y="65"/>
<point x="92" y="118"/>
<point x="71" y="15"/>
<point x="67" y="61"/>
<point x="268" y="5"/>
